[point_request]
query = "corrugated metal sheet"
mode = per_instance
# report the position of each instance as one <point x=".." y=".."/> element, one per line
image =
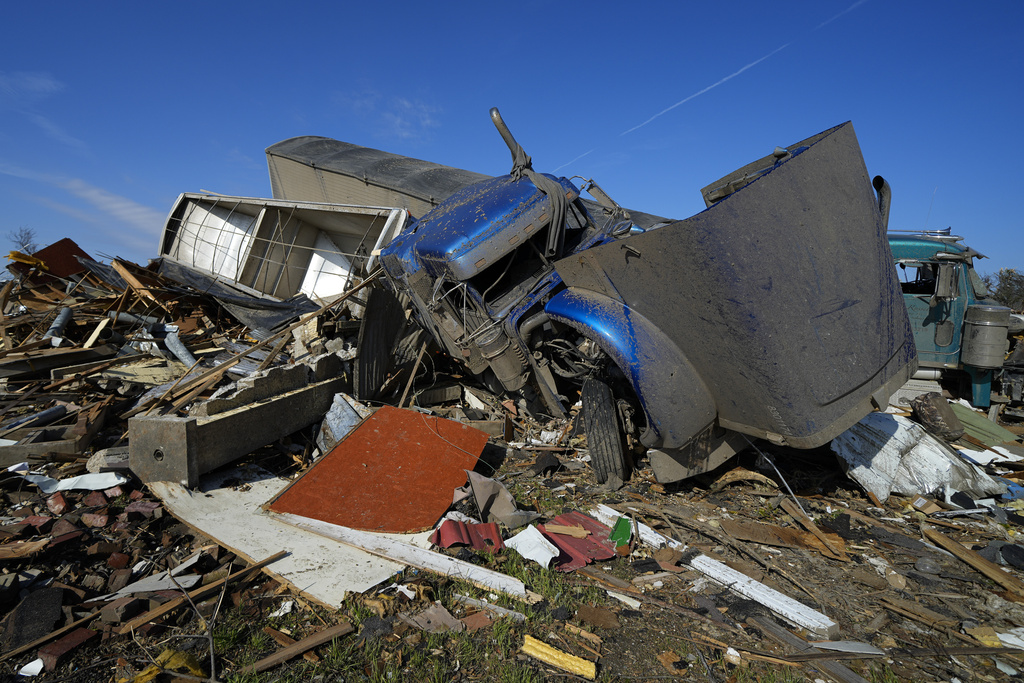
<point x="479" y="536"/>
<point x="579" y="552"/>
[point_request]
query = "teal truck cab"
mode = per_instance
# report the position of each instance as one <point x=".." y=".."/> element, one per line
<point x="961" y="334"/>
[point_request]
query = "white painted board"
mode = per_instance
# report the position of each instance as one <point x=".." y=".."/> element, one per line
<point x="321" y="569"/>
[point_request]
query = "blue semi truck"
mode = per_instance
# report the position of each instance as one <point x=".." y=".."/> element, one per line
<point x="774" y="314"/>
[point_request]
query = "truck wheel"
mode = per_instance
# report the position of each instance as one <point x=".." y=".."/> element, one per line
<point x="604" y="437"/>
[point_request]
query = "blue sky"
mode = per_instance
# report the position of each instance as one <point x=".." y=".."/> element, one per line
<point x="109" y="110"/>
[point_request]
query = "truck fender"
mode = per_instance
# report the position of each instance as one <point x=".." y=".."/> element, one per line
<point x="674" y="398"/>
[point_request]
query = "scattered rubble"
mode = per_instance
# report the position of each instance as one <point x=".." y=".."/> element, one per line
<point x="215" y="482"/>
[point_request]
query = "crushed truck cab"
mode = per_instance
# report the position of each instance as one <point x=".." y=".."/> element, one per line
<point x="773" y="314"/>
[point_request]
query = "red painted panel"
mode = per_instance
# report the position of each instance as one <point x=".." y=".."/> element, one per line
<point x="395" y="472"/>
<point x="579" y="552"/>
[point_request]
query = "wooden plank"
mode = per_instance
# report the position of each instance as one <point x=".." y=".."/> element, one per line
<point x="304" y="645"/>
<point x="198" y="594"/>
<point x="96" y="333"/>
<point x="285" y="640"/>
<point x="405" y="553"/>
<point x="989" y="569"/>
<point x="779" y="603"/>
<point x="137" y="285"/>
<point x="835" y="545"/>
<point x="771" y="534"/>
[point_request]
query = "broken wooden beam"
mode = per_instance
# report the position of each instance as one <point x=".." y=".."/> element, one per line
<point x="304" y="645"/>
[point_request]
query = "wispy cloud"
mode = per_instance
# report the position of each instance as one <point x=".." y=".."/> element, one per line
<point x="21" y="88"/>
<point x="395" y="117"/>
<point x="55" y="132"/>
<point x="22" y="91"/>
<point x="710" y="87"/>
<point x="127" y="212"/>
<point x="409" y="119"/>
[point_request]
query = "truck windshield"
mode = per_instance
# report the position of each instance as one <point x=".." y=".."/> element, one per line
<point x="514" y="275"/>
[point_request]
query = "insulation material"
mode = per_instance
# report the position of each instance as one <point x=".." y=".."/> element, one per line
<point x="329" y="273"/>
<point x="892" y="454"/>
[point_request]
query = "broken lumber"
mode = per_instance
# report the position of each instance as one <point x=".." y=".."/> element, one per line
<point x="989" y="569"/>
<point x="200" y="593"/>
<point x="300" y="647"/>
<point x="405" y="553"/>
<point x="558" y="659"/>
<point x="783" y="637"/>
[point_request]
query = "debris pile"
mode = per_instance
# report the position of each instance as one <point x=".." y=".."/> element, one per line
<point x="250" y="460"/>
<point x="501" y="551"/>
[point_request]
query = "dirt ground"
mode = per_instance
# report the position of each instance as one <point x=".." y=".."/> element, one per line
<point x="930" y="615"/>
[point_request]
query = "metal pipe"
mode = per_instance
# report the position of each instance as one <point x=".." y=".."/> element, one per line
<point x="132" y="318"/>
<point x="884" y="198"/>
<point x="927" y="373"/>
<point x="59" y="323"/>
<point x="175" y="346"/>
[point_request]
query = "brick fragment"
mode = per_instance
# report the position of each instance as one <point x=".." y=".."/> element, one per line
<point x="95" y="499"/>
<point x="63" y="526"/>
<point x="103" y="548"/>
<point x="147" y="508"/>
<point x="119" y="578"/>
<point x="65" y="539"/>
<point x="57" y="504"/>
<point x="54" y="654"/>
<point x="95" y="520"/>
<point x="118" y="560"/>
<point x="41" y="523"/>
<point x="14" y="530"/>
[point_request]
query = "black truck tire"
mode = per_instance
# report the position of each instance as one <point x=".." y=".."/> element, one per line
<point x="604" y="437"/>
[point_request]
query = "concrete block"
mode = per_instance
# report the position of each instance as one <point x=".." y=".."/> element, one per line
<point x="121" y="609"/>
<point x="181" y="449"/>
<point x="258" y="387"/>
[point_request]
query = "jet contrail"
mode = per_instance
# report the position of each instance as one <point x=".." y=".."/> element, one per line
<point x="573" y="161"/>
<point x="701" y="92"/>
<point x="848" y="9"/>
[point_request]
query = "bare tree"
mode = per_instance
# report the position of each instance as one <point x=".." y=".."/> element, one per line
<point x="1007" y="287"/>
<point x="24" y="239"/>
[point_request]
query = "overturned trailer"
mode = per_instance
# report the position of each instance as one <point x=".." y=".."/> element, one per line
<point x="278" y="248"/>
<point x="773" y="314"/>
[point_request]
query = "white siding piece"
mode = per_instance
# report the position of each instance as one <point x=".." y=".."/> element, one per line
<point x="214" y="239"/>
<point x="648" y="536"/>
<point x="783" y="605"/>
<point x="408" y="554"/>
<point x="322" y="570"/>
